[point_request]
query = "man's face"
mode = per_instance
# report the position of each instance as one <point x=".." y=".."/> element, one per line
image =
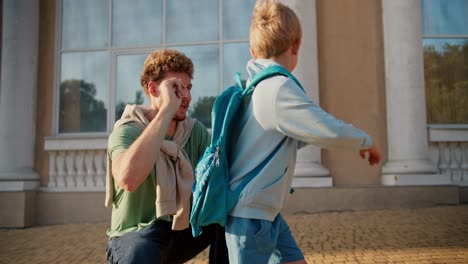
<point x="184" y="92"/>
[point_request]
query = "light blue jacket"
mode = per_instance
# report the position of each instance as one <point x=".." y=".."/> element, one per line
<point x="280" y="109"/>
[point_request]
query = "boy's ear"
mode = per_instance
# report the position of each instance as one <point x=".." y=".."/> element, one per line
<point x="252" y="53"/>
<point x="295" y="47"/>
<point x="153" y="89"/>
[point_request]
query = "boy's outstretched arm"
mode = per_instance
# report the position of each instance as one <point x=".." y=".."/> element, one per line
<point x="291" y="112"/>
<point x="374" y="155"/>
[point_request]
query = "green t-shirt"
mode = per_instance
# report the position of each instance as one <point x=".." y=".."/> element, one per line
<point x="132" y="211"/>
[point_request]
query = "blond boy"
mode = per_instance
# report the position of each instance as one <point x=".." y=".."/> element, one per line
<point x="278" y="117"/>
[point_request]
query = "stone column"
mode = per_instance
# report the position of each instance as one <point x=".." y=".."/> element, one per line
<point x="18" y="106"/>
<point x="408" y="153"/>
<point x="309" y="169"/>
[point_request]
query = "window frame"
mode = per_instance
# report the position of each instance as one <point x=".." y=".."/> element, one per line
<point x="117" y="51"/>
<point x="440" y="36"/>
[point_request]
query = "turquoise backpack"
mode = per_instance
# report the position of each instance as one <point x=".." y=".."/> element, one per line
<point x="212" y="198"/>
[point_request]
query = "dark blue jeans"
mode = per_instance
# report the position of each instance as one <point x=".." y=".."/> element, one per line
<point x="158" y="243"/>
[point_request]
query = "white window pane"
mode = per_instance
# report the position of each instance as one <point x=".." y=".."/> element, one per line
<point x="446" y="78"/>
<point x="85" y="24"/>
<point x="136" y="23"/>
<point x="192" y="21"/>
<point x="443" y="17"/>
<point x="205" y="83"/>
<point x="84" y="90"/>
<point x="236" y="18"/>
<point x="236" y="56"/>
<point x="128" y="88"/>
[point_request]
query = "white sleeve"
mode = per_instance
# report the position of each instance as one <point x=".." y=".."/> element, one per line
<point x="298" y="117"/>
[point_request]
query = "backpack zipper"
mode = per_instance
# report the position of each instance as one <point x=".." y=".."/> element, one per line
<point x="216" y="156"/>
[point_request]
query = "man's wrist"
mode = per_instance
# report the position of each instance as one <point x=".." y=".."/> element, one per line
<point x="166" y="112"/>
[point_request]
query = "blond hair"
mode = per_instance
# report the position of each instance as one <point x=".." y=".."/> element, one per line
<point x="161" y="62"/>
<point x="274" y="28"/>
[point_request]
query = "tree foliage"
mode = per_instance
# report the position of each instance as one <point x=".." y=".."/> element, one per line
<point x="120" y="106"/>
<point x="80" y="111"/>
<point x="446" y="77"/>
<point x="202" y="110"/>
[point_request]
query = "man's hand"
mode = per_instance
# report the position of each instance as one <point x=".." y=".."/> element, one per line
<point x="170" y="94"/>
<point x="374" y="155"/>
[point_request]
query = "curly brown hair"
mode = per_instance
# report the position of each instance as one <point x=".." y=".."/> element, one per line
<point x="161" y="62"/>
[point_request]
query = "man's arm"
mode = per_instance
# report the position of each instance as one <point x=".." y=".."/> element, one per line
<point x="131" y="167"/>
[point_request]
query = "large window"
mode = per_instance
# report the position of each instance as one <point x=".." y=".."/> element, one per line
<point x="103" y="44"/>
<point x="445" y="40"/>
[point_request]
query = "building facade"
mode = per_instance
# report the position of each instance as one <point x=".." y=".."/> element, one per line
<point x="398" y="69"/>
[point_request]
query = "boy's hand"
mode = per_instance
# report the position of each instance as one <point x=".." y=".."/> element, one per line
<point x="374" y="155"/>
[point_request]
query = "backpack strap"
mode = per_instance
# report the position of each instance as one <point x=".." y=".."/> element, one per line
<point x="267" y="73"/>
<point x="238" y="79"/>
<point x="234" y="197"/>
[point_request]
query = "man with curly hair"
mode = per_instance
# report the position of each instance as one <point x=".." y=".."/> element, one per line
<point x="151" y="155"/>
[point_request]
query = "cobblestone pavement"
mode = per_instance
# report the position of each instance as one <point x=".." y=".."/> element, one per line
<point x="430" y="235"/>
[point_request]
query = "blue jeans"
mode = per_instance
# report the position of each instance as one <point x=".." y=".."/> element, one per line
<point x="158" y="243"/>
<point x="260" y="241"/>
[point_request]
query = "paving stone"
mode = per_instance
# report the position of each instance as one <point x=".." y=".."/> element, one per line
<point x="428" y="235"/>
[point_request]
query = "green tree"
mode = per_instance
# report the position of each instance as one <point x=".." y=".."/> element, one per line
<point x="446" y="77"/>
<point x="80" y="111"/>
<point x="202" y="110"/>
<point x="120" y="106"/>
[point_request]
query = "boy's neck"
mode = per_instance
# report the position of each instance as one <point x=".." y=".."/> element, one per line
<point x="284" y="59"/>
<point x="288" y="59"/>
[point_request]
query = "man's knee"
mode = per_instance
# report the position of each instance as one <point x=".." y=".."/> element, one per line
<point x="302" y="261"/>
<point x="133" y="249"/>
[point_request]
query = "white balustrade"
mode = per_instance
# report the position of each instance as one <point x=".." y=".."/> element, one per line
<point x="52" y="170"/>
<point x="80" y="169"/>
<point x="449" y="151"/>
<point x="100" y="164"/>
<point x="60" y="162"/>
<point x="90" y="170"/>
<point x="80" y="164"/>
<point x="76" y="165"/>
